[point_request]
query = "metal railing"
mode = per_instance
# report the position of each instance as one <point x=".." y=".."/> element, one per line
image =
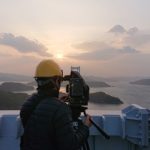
<point x="128" y="130"/>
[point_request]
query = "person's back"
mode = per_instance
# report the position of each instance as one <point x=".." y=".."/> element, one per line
<point x="48" y="123"/>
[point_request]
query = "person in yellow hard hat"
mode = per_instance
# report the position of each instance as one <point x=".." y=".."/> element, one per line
<point x="47" y="121"/>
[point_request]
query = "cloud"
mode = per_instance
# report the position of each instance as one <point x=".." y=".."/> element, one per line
<point x="92" y="45"/>
<point x="127" y="50"/>
<point x="22" y="44"/>
<point x="139" y="39"/>
<point x="133" y="36"/>
<point x="21" y="65"/>
<point x="133" y="30"/>
<point x="118" y="41"/>
<point x="121" y="30"/>
<point x="2" y="55"/>
<point x="101" y="51"/>
<point x="117" y="29"/>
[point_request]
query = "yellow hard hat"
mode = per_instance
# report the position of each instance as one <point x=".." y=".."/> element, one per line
<point x="48" y="68"/>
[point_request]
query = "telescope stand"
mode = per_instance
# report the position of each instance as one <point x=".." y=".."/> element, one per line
<point x="76" y="112"/>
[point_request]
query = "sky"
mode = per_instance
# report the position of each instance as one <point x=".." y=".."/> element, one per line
<point x="104" y="37"/>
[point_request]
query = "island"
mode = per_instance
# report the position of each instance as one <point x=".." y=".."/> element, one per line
<point x="14" y="86"/>
<point x="103" y="98"/>
<point x="142" y="82"/>
<point x="11" y="101"/>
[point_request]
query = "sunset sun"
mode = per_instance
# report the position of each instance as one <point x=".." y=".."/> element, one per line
<point x="59" y="56"/>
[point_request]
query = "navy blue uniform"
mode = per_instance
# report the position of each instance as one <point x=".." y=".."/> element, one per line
<point x="48" y="125"/>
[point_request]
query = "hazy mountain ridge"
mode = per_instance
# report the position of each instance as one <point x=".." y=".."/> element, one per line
<point x="112" y="79"/>
<point x="14" y="86"/>
<point x="142" y="82"/>
<point x="89" y="83"/>
<point x="25" y="78"/>
<point x="97" y="84"/>
<point x="14" y="77"/>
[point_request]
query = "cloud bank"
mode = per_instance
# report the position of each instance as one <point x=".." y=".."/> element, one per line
<point x="132" y="36"/>
<point x="101" y="51"/>
<point x="117" y="42"/>
<point x="22" y="44"/>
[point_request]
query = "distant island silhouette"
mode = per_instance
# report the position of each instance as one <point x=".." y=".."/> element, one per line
<point x="103" y="98"/>
<point x="95" y="84"/>
<point x="142" y="82"/>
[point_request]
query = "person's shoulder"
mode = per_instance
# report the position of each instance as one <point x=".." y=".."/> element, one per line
<point x="55" y="101"/>
<point x="58" y="102"/>
<point x="50" y="99"/>
<point x="31" y="99"/>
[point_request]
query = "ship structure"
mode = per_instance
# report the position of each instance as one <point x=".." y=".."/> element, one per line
<point x="128" y="129"/>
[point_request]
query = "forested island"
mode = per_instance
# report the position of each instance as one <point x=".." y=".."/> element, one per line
<point x="103" y="98"/>
<point x="11" y="101"/>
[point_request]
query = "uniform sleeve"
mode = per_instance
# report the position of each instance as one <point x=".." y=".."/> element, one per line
<point x="66" y="137"/>
<point x="27" y="108"/>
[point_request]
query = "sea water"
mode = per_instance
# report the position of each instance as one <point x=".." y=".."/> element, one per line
<point x="126" y="92"/>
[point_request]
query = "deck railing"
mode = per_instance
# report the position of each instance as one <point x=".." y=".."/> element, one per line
<point x="128" y="130"/>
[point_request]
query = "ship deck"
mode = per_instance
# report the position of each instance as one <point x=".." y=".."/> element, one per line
<point x="129" y="129"/>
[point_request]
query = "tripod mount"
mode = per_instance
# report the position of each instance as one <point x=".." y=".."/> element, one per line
<point x="76" y="112"/>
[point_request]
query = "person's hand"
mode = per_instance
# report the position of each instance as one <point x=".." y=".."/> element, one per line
<point x="87" y="121"/>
